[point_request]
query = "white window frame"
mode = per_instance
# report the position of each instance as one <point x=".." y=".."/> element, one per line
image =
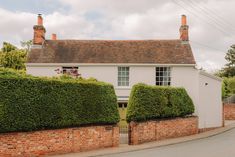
<point x="163" y="76"/>
<point x="123" y="76"/>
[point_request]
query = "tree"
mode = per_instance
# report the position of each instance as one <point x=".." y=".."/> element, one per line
<point x="7" y="47"/>
<point x="12" y="57"/>
<point x="229" y="69"/>
<point x="26" y="44"/>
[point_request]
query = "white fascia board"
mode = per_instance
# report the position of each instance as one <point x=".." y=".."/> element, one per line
<point x="104" y="64"/>
<point x="210" y="75"/>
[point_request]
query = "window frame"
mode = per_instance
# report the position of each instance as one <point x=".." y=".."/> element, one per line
<point x="65" y="69"/>
<point x="123" y="76"/>
<point x="163" y="76"/>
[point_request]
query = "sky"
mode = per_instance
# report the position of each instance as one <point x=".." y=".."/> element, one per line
<point x="211" y="22"/>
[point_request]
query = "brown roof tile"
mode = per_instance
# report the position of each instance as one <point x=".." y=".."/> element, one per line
<point x="113" y="51"/>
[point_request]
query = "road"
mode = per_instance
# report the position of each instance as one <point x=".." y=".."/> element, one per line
<point x="222" y="145"/>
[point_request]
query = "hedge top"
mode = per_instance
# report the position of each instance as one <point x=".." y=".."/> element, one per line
<point x="156" y="102"/>
<point x="11" y="73"/>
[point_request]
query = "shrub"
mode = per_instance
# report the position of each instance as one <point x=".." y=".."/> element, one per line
<point x="31" y="103"/>
<point x="154" y="102"/>
<point x="12" y="72"/>
<point x="14" y="59"/>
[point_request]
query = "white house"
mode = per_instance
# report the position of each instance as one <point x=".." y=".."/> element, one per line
<point x="124" y="63"/>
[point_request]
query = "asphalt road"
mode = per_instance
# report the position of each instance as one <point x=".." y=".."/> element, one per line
<point x="222" y="145"/>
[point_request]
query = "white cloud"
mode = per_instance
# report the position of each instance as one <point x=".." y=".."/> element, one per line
<point x="68" y="26"/>
<point x="15" y="26"/>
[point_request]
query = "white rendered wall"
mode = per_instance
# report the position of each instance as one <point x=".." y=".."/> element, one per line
<point x="101" y="73"/>
<point x="210" y="101"/>
<point x="47" y="71"/>
<point x="109" y="74"/>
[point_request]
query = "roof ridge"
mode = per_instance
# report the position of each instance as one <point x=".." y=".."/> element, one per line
<point x="124" y="40"/>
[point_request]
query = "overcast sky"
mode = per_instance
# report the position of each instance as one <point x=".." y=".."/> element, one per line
<point x="211" y="22"/>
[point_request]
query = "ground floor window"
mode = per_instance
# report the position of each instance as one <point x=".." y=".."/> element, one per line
<point x="72" y="71"/>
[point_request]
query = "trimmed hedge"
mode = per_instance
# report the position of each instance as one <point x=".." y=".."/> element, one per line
<point x="155" y="102"/>
<point x="31" y="103"/>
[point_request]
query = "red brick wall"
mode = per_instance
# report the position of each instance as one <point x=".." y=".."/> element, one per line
<point x="229" y="111"/>
<point x="161" y="129"/>
<point x="59" y="141"/>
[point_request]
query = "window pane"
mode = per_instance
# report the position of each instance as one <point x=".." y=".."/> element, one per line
<point x="157" y="79"/>
<point x="164" y="73"/>
<point x="157" y="73"/>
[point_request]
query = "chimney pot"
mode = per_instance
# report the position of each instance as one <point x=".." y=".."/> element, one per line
<point x="53" y="37"/>
<point x="40" y="19"/>
<point x="183" y="20"/>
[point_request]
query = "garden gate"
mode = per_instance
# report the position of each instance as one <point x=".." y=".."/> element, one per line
<point x="123" y="125"/>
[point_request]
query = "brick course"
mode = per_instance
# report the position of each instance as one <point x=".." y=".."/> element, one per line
<point x="141" y="132"/>
<point x="229" y="111"/>
<point x="60" y="141"/>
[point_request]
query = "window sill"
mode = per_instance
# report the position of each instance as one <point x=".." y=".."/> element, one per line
<point x="123" y="87"/>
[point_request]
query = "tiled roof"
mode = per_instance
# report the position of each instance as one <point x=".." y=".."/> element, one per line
<point x="113" y="51"/>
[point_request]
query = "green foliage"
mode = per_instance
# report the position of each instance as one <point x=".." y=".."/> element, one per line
<point x="228" y="72"/>
<point x="30" y="103"/>
<point x="230" y="56"/>
<point x="26" y="45"/>
<point x="231" y="85"/>
<point x="228" y="88"/>
<point x="7" y="47"/>
<point x="154" y="102"/>
<point x="12" y="57"/>
<point x="229" y="69"/>
<point x="12" y="72"/>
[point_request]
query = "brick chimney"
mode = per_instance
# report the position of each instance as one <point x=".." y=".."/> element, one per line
<point x="53" y="37"/>
<point x="39" y="32"/>
<point x="184" y="29"/>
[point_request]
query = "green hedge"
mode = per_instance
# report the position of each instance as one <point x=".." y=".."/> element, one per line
<point x="30" y="103"/>
<point x="154" y="102"/>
